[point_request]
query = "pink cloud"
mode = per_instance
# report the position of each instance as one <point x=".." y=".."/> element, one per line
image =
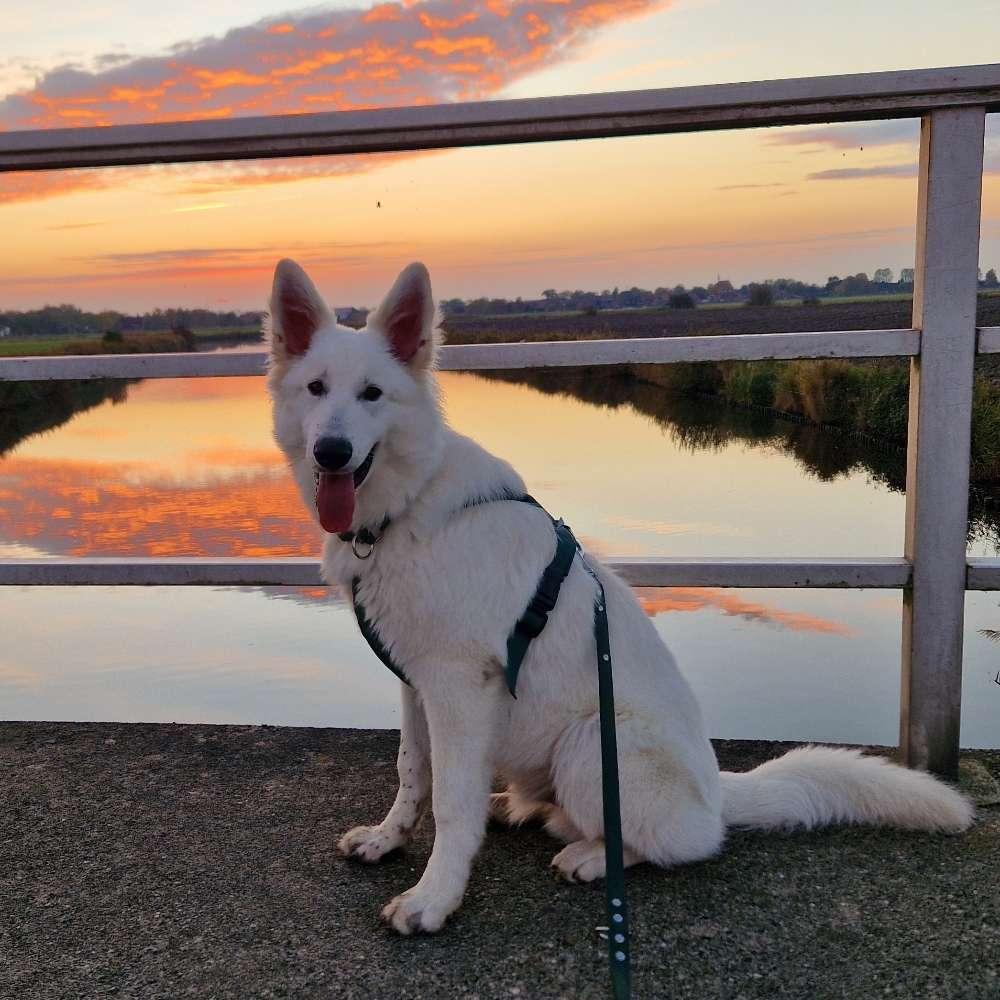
<point x="393" y="54"/>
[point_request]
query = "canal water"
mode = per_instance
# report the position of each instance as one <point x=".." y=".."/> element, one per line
<point x="187" y="468"/>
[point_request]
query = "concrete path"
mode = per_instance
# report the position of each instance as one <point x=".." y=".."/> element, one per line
<point x="154" y="861"/>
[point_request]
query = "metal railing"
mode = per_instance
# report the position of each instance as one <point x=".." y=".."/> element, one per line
<point x="933" y="571"/>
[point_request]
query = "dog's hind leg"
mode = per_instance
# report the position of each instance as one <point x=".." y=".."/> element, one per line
<point x="528" y="796"/>
<point x="584" y="861"/>
<point x="371" y="843"/>
<point x="671" y="813"/>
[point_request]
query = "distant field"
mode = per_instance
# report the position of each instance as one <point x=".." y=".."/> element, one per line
<point x="867" y="313"/>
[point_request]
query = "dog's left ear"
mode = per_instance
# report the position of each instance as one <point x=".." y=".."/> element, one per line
<point x="406" y="317"/>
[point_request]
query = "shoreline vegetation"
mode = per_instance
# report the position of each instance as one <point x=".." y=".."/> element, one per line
<point x="863" y="398"/>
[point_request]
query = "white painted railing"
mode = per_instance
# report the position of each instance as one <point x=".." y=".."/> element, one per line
<point x="933" y="571"/>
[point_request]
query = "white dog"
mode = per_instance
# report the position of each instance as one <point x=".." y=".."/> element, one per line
<point x="357" y="415"/>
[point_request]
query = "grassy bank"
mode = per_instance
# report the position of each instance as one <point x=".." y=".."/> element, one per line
<point x="866" y="398"/>
<point x="157" y="342"/>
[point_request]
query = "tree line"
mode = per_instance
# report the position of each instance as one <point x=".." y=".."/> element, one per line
<point x="882" y="282"/>
<point x="70" y="321"/>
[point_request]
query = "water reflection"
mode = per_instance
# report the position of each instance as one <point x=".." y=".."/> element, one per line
<point x="186" y="467"/>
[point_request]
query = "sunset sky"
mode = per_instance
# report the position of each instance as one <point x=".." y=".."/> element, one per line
<point x="804" y="202"/>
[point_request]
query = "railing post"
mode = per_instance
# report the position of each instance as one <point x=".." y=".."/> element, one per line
<point x="940" y="415"/>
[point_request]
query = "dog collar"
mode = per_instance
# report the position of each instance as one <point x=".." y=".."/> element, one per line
<point x="364" y="536"/>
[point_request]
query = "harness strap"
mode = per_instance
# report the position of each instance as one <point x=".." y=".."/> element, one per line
<point x="536" y="616"/>
<point x="371" y="636"/>
<point x="529" y="626"/>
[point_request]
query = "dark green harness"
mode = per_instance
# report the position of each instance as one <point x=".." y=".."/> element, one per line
<point x="529" y="626"/>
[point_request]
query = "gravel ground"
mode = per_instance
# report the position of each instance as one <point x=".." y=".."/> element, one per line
<point x="154" y="861"/>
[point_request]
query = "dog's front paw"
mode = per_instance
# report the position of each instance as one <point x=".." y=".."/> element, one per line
<point x="419" y="911"/>
<point x="369" y="843"/>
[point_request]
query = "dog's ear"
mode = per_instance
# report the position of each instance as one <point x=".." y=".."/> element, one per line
<point x="297" y="311"/>
<point x="406" y="317"/>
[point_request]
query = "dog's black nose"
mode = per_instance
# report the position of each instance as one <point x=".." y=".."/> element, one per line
<point x="332" y="453"/>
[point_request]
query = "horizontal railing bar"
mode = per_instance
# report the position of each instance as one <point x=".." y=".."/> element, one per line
<point x="470" y="357"/>
<point x="762" y="572"/>
<point x="988" y="340"/>
<point x="664" y="350"/>
<point x="858" y="96"/>
<point x="983" y="574"/>
<point x="304" y="572"/>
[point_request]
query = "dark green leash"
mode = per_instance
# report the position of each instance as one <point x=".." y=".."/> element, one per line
<point x="528" y="627"/>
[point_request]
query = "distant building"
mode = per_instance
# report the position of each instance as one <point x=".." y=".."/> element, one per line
<point x="4" y="331"/>
<point x="722" y="291"/>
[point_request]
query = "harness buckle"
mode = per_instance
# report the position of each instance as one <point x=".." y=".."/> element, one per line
<point x="536" y="616"/>
<point x="532" y="622"/>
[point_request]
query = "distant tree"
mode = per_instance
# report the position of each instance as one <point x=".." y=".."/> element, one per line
<point x="681" y="300"/>
<point x="883" y="276"/>
<point x="700" y="292"/>
<point x="112" y="337"/>
<point x="761" y="295"/>
<point x="906" y="276"/>
<point x="991" y="280"/>
<point x="832" y="282"/>
<point x="854" y="284"/>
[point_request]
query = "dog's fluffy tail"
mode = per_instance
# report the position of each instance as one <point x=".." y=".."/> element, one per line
<point x="817" y="786"/>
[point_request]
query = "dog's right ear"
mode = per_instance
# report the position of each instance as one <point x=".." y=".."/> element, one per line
<point x="297" y="311"/>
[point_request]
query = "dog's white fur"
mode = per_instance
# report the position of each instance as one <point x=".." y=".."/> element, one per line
<point x="445" y="585"/>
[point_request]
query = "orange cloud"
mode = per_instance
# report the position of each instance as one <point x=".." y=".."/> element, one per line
<point x="315" y="61"/>
<point x="655" y="601"/>
<point x="432" y="23"/>
<point x="128" y="509"/>
<point x="37" y="187"/>
<point x="384" y="12"/>
<point x="448" y="46"/>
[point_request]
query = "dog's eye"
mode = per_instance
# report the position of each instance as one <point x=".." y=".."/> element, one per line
<point x="371" y="393"/>
<point x="316" y="387"/>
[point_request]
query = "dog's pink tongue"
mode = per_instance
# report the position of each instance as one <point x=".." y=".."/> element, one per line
<point x="335" y="501"/>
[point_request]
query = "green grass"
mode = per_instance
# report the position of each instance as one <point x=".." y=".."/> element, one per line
<point x="10" y="348"/>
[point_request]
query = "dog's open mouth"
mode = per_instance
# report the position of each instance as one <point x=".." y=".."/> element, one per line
<point x="335" y="495"/>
